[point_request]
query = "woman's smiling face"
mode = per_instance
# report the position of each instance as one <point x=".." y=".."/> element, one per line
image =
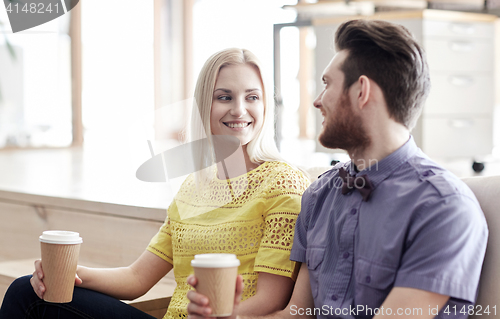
<point x="237" y="104"/>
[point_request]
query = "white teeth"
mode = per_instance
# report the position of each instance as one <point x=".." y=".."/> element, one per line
<point x="239" y="125"/>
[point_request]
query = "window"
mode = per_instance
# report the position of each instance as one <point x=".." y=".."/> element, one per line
<point x="35" y="85"/>
<point x="117" y="70"/>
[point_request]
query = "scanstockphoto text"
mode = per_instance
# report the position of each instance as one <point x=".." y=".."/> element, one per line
<point x="362" y="310"/>
<point x="354" y="311"/>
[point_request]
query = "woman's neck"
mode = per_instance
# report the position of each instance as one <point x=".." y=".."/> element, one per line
<point x="236" y="164"/>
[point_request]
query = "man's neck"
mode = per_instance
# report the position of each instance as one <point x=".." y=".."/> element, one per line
<point x="381" y="146"/>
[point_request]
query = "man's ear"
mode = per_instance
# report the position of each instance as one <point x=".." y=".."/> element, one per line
<point x="364" y="91"/>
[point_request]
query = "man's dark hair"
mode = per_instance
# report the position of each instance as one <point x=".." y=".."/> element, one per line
<point x="388" y="54"/>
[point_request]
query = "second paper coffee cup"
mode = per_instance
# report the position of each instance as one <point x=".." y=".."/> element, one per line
<point x="216" y="274"/>
<point x="60" y="250"/>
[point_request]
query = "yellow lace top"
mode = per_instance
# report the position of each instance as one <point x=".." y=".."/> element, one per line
<point x="252" y="216"/>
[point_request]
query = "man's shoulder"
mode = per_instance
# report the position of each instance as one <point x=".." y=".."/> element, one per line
<point x="437" y="180"/>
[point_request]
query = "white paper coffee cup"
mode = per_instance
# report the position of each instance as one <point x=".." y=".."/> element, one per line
<point x="216" y="274"/>
<point x="60" y="250"/>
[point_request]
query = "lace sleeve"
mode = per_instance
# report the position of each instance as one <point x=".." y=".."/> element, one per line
<point x="161" y="243"/>
<point x="282" y="210"/>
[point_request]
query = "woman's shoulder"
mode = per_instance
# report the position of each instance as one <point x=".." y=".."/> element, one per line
<point x="282" y="175"/>
<point x="284" y="167"/>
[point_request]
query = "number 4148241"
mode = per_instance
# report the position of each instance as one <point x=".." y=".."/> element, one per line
<point x="471" y="310"/>
<point x="33" y="8"/>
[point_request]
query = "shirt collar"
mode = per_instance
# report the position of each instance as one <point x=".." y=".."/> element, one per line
<point x="382" y="169"/>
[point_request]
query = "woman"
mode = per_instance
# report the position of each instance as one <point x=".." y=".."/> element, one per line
<point x="247" y="205"/>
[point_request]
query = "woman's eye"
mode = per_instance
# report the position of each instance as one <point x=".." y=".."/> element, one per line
<point x="224" y="98"/>
<point x="253" y="97"/>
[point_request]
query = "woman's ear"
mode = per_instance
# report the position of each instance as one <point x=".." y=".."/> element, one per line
<point x="364" y="86"/>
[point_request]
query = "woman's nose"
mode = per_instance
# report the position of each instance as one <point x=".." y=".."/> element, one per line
<point x="238" y="109"/>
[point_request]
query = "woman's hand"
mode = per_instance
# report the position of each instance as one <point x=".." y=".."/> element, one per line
<point x="37" y="280"/>
<point x="198" y="306"/>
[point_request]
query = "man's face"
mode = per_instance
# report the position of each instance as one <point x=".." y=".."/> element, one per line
<point x="342" y="126"/>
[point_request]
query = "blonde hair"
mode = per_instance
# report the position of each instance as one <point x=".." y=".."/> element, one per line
<point x="262" y="148"/>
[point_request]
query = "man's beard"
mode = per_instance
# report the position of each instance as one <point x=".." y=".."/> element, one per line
<point x="344" y="129"/>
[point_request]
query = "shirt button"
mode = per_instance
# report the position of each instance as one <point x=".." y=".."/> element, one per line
<point x="426" y="173"/>
<point x="353" y="211"/>
<point x="334" y="298"/>
<point x="346" y="255"/>
<point x="368" y="279"/>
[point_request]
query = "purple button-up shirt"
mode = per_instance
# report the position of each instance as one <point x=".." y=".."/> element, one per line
<point x="421" y="228"/>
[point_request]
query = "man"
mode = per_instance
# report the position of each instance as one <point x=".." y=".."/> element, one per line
<point x="389" y="233"/>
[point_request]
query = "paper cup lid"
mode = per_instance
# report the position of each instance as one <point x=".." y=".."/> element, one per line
<point x="215" y="261"/>
<point x="60" y="237"/>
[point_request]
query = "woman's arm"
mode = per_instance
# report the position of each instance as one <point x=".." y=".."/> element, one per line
<point x="126" y="282"/>
<point x="282" y="207"/>
<point x="272" y="294"/>
<point x="122" y="283"/>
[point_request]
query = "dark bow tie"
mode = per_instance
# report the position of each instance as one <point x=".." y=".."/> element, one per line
<point x="361" y="183"/>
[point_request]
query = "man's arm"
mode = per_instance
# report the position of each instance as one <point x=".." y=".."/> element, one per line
<point x="411" y="303"/>
<point x="301" y="299"/>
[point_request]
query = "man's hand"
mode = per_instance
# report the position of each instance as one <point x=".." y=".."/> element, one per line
<point x="198" y="307"/>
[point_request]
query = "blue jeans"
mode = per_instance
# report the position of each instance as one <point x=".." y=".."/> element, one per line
<point x="21" y="302"/>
